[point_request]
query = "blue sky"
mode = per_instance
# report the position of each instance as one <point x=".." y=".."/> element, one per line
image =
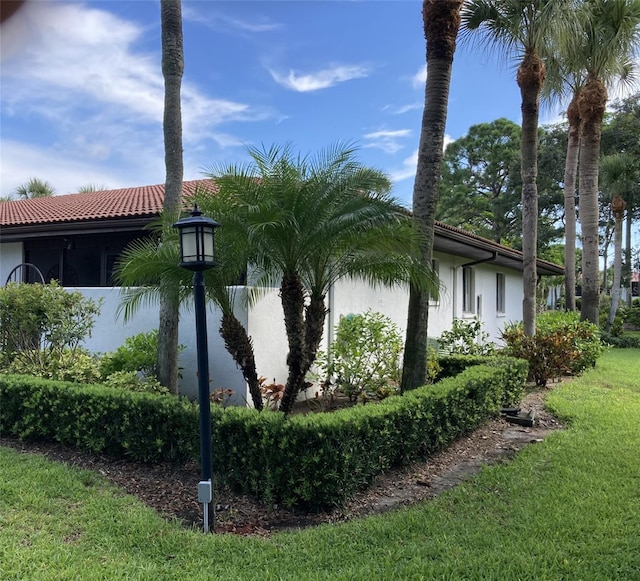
<point x="82" y="90"/>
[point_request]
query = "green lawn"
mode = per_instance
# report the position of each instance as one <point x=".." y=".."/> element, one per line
<point x="566" y="508"/>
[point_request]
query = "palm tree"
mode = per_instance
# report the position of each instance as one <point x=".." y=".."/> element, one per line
<point x="524" y="28"/>
<point x="87" y="188"/>
<point x="35" y="188"/>
<point x="172" y="70"/>
<point x="308" y="222"/>
<point x="565" y="80"/>
<point x="619" y="174"/>
<point x="610" y="34"/>
<point x="441" y="21"/>
<point x="148" y="269"/>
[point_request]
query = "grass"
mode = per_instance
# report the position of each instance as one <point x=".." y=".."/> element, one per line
<point x="566" y="508"/>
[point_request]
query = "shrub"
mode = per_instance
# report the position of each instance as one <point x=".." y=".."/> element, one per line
<point x="562" y="345"/>
<point x="132" y="381"/>
<point x="143" y="426"/>
<point x="364" y="359"/>
<point x="314" y="461"/>
<point x="77" y="365"/>
<point x="45" y="324"/>
<point x="139" y="353"/>
<point x="466" y="337"/>
<point x="632" y="315"/>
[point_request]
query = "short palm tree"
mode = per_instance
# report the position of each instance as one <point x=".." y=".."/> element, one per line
<point x="309" y="222"/>
<point x="524" y="29"/>
<point x="148" y="268"/>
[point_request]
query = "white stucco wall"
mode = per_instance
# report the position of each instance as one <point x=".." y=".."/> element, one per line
<point x="265" y="325"/>
<point x="10" y="256"/>
<point x="110" y="331"/>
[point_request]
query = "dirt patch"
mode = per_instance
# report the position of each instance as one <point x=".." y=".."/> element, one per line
<point x="172" y="491"/>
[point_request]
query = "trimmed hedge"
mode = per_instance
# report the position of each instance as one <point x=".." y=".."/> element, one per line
<point x="142" y="426"/>
<point x="319" y="460"/>
<point x="452" y="365"/>
<point x="312" y="462"/>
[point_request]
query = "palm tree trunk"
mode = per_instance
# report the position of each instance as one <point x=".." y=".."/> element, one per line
<point x="570" y="173"/>
<point x="240" y="347"/>
<point x="617" y="268"/>
<point x="441" y="20"/>
<point x="627" y="254"/>
<point x="292" y="298"/>
<point x="172" y="70"/>
<point x="530" y="80"/>
<point x="591" y="103"/>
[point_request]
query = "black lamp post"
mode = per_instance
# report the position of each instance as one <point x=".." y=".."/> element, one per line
<point x="197" y="255"/>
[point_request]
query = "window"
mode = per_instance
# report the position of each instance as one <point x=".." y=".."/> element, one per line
<point x="468" y="290"/>
<point x="500" y="292"/>
<point x="435" y="266"/>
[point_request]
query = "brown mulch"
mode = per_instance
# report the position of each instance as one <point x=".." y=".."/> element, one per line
<point x="172" y="491"/>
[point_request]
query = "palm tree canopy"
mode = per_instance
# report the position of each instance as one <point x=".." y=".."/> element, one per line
<point x="320" y="218"/>
<point x="35" y="188"/>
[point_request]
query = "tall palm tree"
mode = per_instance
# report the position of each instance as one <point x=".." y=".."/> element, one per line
<point x="441" y="22"/>
<point x="565" y="80"/>
<point x="308" y="222"/>
<point x="35" y="188"/>
<point x="618" y="174"/>
<point x="610" y="34"/>
<point x="148" y="268"/>
<point x="172" y="70"/>
<point x="525" y="29"/>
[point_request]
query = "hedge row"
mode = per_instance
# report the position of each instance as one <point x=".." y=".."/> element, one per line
<point x="312" y="462"/>
<point x="143" y="426"/>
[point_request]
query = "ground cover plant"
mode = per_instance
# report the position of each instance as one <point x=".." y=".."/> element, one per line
<point x="566" y="508"/>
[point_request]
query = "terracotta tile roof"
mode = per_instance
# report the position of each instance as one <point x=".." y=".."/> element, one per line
<point x="109" y="204"/>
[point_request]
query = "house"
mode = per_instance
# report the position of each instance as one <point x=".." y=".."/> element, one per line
<point x="76" y="239"/>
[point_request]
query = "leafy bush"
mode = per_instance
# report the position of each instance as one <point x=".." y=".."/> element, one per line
<point x="132" y="381"/>
<point x="621" y="342"/>
<point x="364" y="359"/>
<point x="139" y="353"/>
<point x="77" y="365"/>
<point x="466" y="337"/>
<point x="632" y="315"/>
<point x="45" y="324"/>
<point x="562" y="345"/>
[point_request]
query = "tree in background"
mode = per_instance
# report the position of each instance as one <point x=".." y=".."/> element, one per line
<point x="610" y="36"/>
<point x="477" y="187"/>
<point x="308" y="222"/>
<point x="621" y="134"/>
<point x="172" y="70"/>
<point x="619" y="173"/>
<point x="524" y="29"/>
<point x="35" y="188"/>
<point x="441" y="20"/>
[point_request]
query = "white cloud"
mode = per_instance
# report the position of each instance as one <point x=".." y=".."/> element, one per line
<point x="409" y="164"/>
<point x="222" y="22"/>
<point x="406" y="108"/>
<point x="420" y="78"/>
<point x="386" y="140"/>
<point x="323" y="79"/>
<point x="66" y="174"/>
<point x="96" y="102"/>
